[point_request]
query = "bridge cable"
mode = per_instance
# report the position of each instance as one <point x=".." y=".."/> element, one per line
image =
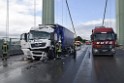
<point x="62" y="12"/>
<point x="7" y="20"/>
<point x="104" y="13"/>
<point x="57" y="9"/>
<point x="71" y="17"/>
<point x="34" y="13"/>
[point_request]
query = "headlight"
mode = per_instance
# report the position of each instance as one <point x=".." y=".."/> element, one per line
<point x="95" y="50"/>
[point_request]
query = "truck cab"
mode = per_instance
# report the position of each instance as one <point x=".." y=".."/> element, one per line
<point x="36" y="43"/>
<point x="40" y="41"/>
<point x="103" y="41"/>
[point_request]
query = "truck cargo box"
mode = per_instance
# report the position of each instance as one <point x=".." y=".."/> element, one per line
<point x="66" y="36"/>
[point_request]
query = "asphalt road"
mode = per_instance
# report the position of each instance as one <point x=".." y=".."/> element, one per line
<point x="85" y="68"/>
<point x="54" y="71"/>
<point x="110" y="69"/>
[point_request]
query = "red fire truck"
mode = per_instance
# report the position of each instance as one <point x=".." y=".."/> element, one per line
<point x="103" y="41"/>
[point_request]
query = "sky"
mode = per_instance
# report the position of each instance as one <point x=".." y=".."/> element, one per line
<point x="86" y="15"/>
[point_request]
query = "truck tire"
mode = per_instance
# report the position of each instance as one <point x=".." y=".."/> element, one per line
<point x="112" y="55"/>
<point x="93" y="54"/>
<point x="37" y="58"/>
<point x="51" y="54"/>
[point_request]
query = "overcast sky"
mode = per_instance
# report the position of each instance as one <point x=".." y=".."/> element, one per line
<point x="86" y="15"/>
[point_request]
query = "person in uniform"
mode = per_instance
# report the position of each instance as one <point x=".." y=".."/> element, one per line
<point x="59" y="49"/>
<point x="5" y="51"/>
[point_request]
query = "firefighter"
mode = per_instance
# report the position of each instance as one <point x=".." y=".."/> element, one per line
<point x="56" y="47"/>
<point x="4" y="51"/>
<point x="59" y="49"/>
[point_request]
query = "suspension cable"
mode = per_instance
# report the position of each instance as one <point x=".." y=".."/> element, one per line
<point x="110" y="13"/>
<point x="66" y="15"/>
<point x="57" y="7"/>
<point x="7" y="20"/>
<point x="34" y="13"/>
<point x="62" y="12"/>
<point x="104" y="14"/>
<point x="71" y="17"/>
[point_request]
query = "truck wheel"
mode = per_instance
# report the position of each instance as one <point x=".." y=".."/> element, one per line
<point x="30" y="59"/>
<point x="51" y="54"/>
<point x="94" y="55"/>
<point x="112" y="55"/>
<point x="37" y="58"/>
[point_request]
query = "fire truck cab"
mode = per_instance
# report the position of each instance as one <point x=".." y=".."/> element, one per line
<point x="103" y="41"/>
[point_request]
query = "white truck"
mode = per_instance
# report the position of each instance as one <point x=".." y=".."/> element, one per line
<point x="40" y="41"/>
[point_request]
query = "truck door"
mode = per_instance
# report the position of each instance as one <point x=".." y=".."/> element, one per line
<point x="24" y="41"/>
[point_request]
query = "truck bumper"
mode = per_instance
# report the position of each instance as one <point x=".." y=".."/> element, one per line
<point x="32" y="54"/>
<point x="39" y="54"/>
<point x="103" y="51"/>
<point x="27" y="53"/>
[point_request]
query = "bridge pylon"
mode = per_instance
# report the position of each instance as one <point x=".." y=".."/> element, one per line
<point x="120" y="21"/>
<point x="48" y="12"/>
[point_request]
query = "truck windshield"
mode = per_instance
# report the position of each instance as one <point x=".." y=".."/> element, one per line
<point x="39" y="35"/>
<point x="104" y="36"/>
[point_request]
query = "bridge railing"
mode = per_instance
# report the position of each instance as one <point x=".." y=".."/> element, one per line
<point x="14" y="46"/>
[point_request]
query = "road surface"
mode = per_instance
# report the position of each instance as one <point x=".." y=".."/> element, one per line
<point x="85" y="68"/>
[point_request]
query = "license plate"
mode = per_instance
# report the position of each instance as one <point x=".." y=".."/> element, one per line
<point x="104" y="50"/>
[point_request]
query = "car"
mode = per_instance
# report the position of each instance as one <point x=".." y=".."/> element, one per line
<point x="88" y="43"/>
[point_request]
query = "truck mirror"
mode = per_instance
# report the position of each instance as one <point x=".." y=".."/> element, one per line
<point x="25" y="37"/>
<point x="91" y="36"/>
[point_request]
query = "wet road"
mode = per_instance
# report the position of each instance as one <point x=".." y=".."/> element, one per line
<point x="110" y="69"/>
<point x="102" y="69"/>
<point x="54" y="71"/>
<point x="85" y="68"/>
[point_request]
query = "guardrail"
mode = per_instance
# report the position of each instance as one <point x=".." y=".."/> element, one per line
<point x="14" y="49"/>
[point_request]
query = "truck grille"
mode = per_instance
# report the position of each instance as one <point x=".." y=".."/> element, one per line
<point x="38" y="45"/>
<point x="106" y="46"/>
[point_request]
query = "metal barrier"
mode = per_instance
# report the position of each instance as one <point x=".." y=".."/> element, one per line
<point x="14" y="46"/>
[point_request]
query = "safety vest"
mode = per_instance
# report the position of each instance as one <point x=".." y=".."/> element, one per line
<point x="5" y="49"/>
<point x="59" y="48"/>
